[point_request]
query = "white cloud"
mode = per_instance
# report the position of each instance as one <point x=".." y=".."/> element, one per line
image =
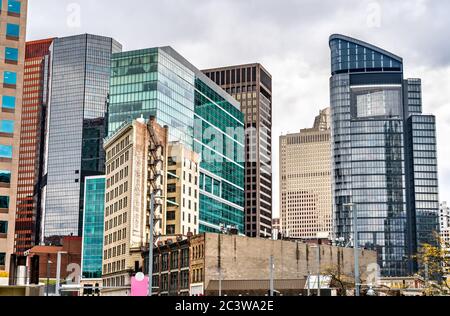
<point x="289" y="37"/>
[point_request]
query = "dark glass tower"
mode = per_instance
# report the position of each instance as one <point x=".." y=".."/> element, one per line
<point x="384" y="155"/>
<point x="79" y="85"/>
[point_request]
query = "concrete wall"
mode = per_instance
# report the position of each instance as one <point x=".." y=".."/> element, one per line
<point x="248" y="258"/>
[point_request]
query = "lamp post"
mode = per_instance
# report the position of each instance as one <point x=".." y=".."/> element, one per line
<point x="355" y="246"/>
<point x="271" y="266"/>
<point x="48" y="272"/>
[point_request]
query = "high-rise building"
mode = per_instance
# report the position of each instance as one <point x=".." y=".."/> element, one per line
<point x="251" y="85"/>
<point x="34" y="105"/>
<point x="93" y="225"/>
<point x="384" y="155"/>
<point x="159" y="82"/>
<point x="136" y="161"/>
<point x="183" y="173"/>
<point x="305" y="181"/>
<point x="13" y="17"/>
<point x="79" y="85"/>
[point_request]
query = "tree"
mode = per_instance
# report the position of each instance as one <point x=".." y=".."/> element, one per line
<point x="433" y="260"/>
<point x="343" y="282"/>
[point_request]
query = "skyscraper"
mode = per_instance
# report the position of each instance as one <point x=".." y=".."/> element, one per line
<point x="35" y="98"/>
<point x="305" y="181"/>
<point x="13" y="17"/>
<point x="384" y="155"/>
<point x="251" y="85"/>
<point x="79" y="81"/>
<point x="159" y="82"/>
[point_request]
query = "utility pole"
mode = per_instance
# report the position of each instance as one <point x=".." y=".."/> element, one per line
<point x="318" y="269"/>
<point x="355" y="246"/>
<point x="355" y="249"/>
<point x="150" y="244"/>
<point x="48" y="273"/>
<point x="220" y="281"/>
<point x="271" y="275"/>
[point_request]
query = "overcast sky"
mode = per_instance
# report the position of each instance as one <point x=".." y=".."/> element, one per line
<point x="289" y="37"/>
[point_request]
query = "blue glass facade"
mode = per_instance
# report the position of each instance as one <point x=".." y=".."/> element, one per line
<point x="159" y="82"/>
<point x="93" y="224"/>
<point x="375" y="115"/>
<point x="80" y="76"/>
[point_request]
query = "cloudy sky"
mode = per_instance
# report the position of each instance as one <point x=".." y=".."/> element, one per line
<point x="289" y="37"/>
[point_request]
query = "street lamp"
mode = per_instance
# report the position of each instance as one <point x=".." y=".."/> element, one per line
<point x="48" y="272"/>
<point x="355" y="246"/>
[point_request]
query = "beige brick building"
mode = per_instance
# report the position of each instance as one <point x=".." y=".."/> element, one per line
<point x="12" y="50"/>
<point x="135" y="158"/>
<point x="242" y="259"/>
<point x="140" y="161"/>
<point x="305" y="181"/>
<point x="183" y="171"/>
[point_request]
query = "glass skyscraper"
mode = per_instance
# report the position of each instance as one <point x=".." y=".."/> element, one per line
<point x="161" y="83"/>
<point x="384" y="155"/>
<point x="93" y="224"/>
<point x="79" y="85"/>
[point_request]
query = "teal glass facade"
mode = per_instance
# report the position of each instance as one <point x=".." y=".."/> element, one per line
<point x="161" y="83"/>
<point x="93" y="224"/>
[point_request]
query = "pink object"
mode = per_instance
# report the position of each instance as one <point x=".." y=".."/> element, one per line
<point x="139" y="286"/>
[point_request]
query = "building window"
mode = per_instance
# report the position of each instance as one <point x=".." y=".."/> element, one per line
<point x="3" y="227"/>
<point x="8" y="102"/>
<point x="14" y="7"/>
<point x="2" y="259"/>
<point x="9" y="78"/>
<point x="4" y="202"/>
<point x="12" y="31"/>
<point x="7" y="126"/>
<point x="11" y="55"/>
<point x="171" y="215"/>
<point x="170" y="229"/>
<point x="6" y="151"/>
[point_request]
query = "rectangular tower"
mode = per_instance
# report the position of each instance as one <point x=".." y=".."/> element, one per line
<point x="136" y="158"/>
<point x="13" y="17"/>
<point x="251" y="85"/>
<point x="305" y="181"/>
<point x="159" y="82"/>
<point x="384" y="156"/>
<point x="35" y="99"/>
<point x="93" y="227"/>
<point x="79" y="85"/>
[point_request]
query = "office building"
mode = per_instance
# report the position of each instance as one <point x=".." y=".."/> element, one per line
<point x="251" y="85"/>
<point x="305" y="181"/>
<point x="159" y="82"/>
<point x="13" y="17"/>
<point x="183" y="173"/>
<point x="93" y="227"/>
<point x="136" y="157"/>
<point x="384" y="155"/>
<point x="35" y="99"/>
<point x="79" y="81"/>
